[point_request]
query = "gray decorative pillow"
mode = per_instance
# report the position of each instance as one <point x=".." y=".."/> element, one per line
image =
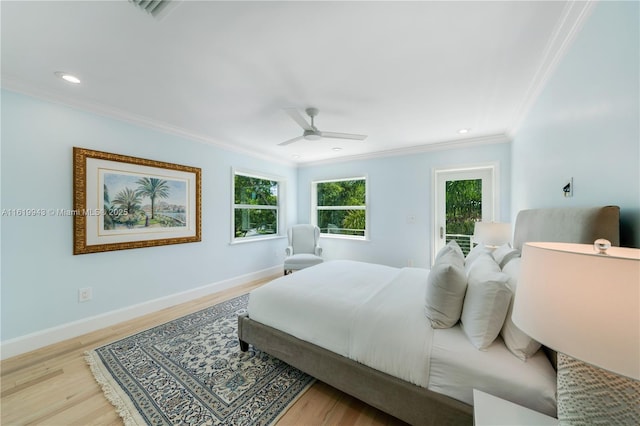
<point x="486" y="302"/>
<point x="446" y="285"/>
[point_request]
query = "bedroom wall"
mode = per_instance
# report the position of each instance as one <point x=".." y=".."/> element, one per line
<point x="41" y="276"/>
<point x="399" y="187"/>
<point x="586" y="124"/>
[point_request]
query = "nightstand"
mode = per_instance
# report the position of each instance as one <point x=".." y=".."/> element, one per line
<point x="489" y="410"/>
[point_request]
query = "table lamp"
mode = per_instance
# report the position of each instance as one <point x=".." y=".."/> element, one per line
<point x="583" y="301"/>
<point x="492" y="234"/>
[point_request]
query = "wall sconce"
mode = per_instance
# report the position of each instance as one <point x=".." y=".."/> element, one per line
<point x="567" y="190"/>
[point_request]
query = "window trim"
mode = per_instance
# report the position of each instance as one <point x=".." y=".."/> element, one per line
<point x="315" y="207"/>
<point x="279" y="207"/>
<point x="475" y="170"/>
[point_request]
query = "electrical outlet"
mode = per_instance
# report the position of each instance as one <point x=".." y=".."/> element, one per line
<point x="84" y="294"/>
<point x="410" y="262"/>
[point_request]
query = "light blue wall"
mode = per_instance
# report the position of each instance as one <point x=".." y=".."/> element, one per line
<point x="399" y="187"/>
<point x="41" y="276"/>
<point x="586" y="124"/>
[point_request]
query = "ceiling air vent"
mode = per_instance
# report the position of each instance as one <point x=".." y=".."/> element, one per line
<point x="154" y="8"/>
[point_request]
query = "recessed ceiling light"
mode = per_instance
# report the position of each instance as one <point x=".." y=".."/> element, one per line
<point x="337" y="148"/>
<point x="463" y="131"/>
<point x="70" y="78"/>
<point x="295" y="156"/>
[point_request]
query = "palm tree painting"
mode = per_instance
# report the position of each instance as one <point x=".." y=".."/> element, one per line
<point x="144" y="202"/>
<point x="153" y="188"/>
<point x="108" y="216"/>
<point x="122" y="202"/>
<point x="128" y="201"/>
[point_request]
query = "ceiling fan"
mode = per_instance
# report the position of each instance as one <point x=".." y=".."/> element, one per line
<point x="311" y="132"/>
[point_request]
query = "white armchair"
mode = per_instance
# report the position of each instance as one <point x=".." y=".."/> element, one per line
<point x="303" y="250"/>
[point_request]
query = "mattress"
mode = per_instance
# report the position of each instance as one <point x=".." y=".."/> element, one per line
<point x="374" y="314"/>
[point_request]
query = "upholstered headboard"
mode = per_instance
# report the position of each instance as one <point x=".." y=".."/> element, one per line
<point x="581" y="225"/>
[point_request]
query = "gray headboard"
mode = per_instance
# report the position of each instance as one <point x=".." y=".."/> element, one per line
<point x="582" y="225"/>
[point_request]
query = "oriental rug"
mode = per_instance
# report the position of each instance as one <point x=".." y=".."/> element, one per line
<point x="190" y="371"/>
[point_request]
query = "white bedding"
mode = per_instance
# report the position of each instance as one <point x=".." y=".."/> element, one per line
<point x="374" y="314"/>
<point x="391" y="333"/>
<point x="318" y="305"/>
<point x="457" y="368"/>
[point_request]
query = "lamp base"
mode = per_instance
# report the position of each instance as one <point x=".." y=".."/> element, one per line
<point x="588" y="395"/>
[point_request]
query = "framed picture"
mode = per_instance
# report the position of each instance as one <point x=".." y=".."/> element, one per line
<point x="122" y="202"/>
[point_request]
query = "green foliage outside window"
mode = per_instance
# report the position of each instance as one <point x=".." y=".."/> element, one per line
<point x="255" y="206"/>
<point x="341" y="207"/>
<point x="463" y="208"/>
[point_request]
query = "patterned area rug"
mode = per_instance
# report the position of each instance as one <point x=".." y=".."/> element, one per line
<point x="191" y="371"/>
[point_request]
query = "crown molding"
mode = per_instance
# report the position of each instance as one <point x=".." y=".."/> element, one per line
<point x="573" y="17"/>
<point x="417" y="149"/>
<point x="99" y="109"/>
<point x="105" y="111"/>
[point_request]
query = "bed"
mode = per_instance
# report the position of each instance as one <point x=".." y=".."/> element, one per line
<point x="362" y="329"/>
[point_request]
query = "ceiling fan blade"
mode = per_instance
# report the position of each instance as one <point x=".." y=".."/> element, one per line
<point x="335" y="135"/>
<point x="298" y="118"/>
<point x="290" y="141"/>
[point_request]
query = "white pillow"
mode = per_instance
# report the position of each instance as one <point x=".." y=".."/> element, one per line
<point x="504" y="254"/>
<point x="475" y="252"/>
<point x="446" y="285"/>
<point x="521" y="345"/>
<point x="508" y="260"/>
<point x="450" y="257"/>
<point x="483" y="263"/>
<point x="486" y="302"/>
<point x="452" y="249"/>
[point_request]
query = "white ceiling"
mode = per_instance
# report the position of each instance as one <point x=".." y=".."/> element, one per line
<point x="408" y="74"/>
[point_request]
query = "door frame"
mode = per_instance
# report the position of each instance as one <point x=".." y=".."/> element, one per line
<point x="471" y="171"/>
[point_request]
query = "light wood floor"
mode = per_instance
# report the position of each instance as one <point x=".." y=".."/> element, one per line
<point x="54" y="386"/>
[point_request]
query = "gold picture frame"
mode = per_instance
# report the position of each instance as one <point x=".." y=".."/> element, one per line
<point x="122" y="202"/>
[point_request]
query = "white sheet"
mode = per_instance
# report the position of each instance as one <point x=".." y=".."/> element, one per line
<point x="457" y="368"/>
<point x="374" y="314"/>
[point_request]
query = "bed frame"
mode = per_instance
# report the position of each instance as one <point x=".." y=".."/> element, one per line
<point x="414" y="404"/>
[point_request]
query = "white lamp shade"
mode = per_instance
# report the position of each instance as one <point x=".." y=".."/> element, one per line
<point x="583" y="304"/>
<point x="492" y="233"/>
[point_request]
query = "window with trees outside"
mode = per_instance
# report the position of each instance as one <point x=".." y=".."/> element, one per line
<point x="463" y="210"/>
<point x="340" y="207"/>
<point x="463" y="197"/>
<point x="255" y="206"/>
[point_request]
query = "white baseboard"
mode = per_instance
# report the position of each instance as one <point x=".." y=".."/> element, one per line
<point x="39" y="339"/>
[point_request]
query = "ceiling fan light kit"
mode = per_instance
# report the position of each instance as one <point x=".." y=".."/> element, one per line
<point x="311" y="132"/>
<point x="312" y="135"/>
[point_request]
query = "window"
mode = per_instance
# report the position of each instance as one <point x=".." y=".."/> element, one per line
<point x="463" y="197"/>
<point x="256" y="206"/>
<point x="340" y="207"/>
<point x="463" y="208"/>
